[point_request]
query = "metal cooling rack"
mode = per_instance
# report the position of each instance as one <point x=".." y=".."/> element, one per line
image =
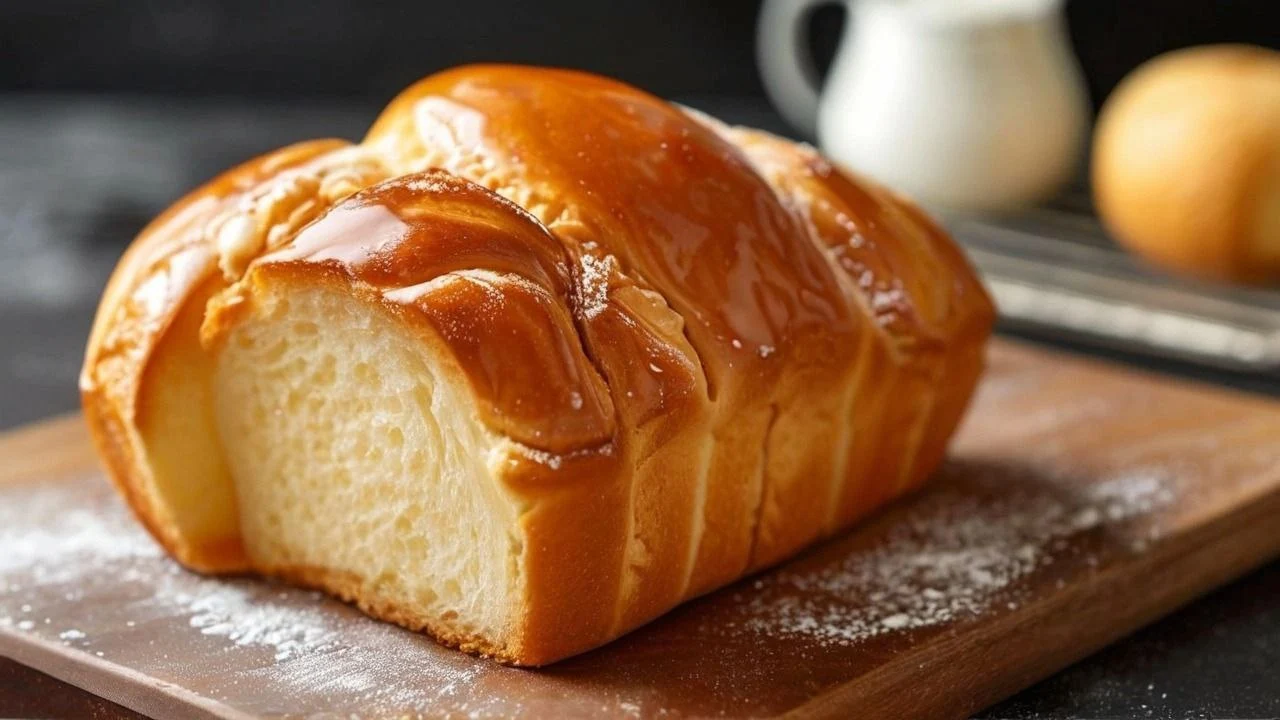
<point x="1054" y="270"/>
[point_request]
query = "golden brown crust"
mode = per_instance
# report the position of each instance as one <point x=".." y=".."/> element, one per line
<point x="728" y="347"/>
<point x="162" y="273"/>
<point x="931" y="315"/>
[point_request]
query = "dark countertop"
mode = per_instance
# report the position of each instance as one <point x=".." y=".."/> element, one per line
<point x="79" y="177"/>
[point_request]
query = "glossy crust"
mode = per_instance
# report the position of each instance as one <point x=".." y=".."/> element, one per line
<point x="154" y="304"/>
<point x="728" y="347"/>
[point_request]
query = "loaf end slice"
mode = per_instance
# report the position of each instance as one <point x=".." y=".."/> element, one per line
<point x="430" y="443"/>
<point x="361" y="465"/>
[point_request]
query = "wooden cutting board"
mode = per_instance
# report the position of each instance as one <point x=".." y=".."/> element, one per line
<point x="1081" y="501"/>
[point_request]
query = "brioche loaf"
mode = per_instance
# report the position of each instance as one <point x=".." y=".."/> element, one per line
<point x="539" y="359"/>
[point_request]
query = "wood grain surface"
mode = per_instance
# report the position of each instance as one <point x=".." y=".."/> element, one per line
<point x="1080" y="502"/>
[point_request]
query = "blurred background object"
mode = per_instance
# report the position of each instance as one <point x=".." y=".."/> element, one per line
<point x="111" y="111"/>
<point x="973" y="105"/>
<point x="978" y="105"/>
<point x="1186" y="162"/>
<point x="344" y="48"/>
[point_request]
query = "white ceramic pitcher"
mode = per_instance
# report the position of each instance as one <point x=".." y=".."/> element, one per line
<point x="966" y="104"/>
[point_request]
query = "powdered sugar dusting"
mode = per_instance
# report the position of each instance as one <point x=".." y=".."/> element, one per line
<point x="234" y="614"/>
<point x="954" y="555"/>
<point x="543" y="457"/>
<point x="46" y="549"/>
<point x="593" y="283"/>
<point x="91" y="581"/>
<point x="301" y="645"/>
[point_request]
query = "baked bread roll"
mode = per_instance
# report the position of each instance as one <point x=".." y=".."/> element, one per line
<point x="539" y="359"/>
<point x="1186" y="163"/>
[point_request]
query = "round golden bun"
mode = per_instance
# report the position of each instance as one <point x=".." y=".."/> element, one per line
<point x="1186" y="163"/>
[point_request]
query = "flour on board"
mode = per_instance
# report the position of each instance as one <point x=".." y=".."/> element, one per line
<point x="953" y="556"/>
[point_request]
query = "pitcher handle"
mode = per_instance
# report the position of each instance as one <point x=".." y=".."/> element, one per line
<point x="785" y="60"/>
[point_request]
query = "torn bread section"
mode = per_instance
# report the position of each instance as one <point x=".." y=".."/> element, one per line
<point x="361" y="465"/>
<point x="412" y="424"/>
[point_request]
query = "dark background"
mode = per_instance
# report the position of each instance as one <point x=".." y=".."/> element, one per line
<point x="366" y="51"/>
<point x="111" y="110"/>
